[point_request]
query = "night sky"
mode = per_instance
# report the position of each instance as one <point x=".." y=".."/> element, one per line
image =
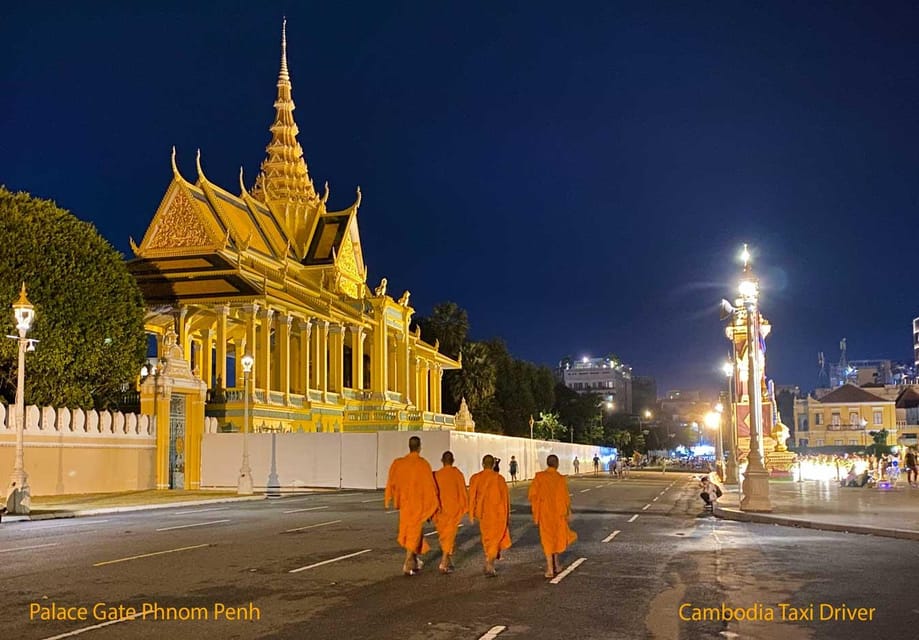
<point x="578" y="176"/>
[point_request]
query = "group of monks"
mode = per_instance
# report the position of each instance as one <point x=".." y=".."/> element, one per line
<point x="421" y="495"/>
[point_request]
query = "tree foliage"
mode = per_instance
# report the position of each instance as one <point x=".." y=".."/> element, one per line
<point x="548" y="427"/>
<point x="88" y="309"/>
<point x="448" y="324"/>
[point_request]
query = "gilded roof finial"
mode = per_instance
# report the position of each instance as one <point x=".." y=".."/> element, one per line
<point x="284" y="75"/>
<point x="198" y="165"/>
<point x="242" y="185"/>
<point x="175" y="168"/>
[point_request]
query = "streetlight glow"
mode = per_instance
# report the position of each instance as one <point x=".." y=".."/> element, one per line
<point x="747" y="288"/>
<point x="728" y="369"/>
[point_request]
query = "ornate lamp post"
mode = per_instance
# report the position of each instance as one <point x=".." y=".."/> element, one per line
<point x="245" y="472"/>
<point x="531" y="426"/>
<point x="18" y="495"/>
<point x="713" y="421"/>
<point x="730" y="471"/>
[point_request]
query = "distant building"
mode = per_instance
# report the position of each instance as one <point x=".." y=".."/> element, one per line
<point x="604" y="376"/>
<point x="644" y="394"/>
<point x="846" y="416"/>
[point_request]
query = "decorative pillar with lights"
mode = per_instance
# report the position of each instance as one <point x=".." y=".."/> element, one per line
<point x="18" y="495"/>
<point x="245" y="472"/>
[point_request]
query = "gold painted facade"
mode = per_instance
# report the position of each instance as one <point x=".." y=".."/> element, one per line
<point x="272" y="272"/>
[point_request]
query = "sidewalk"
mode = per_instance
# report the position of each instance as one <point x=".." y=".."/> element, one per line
<point x="90" y="504"/>
<point x="892" y="513"/>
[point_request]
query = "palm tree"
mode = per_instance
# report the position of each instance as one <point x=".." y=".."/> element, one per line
<point x="447" y="323"/>
<point x="476" y="380"/>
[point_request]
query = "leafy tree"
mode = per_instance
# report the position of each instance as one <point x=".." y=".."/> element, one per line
<point x="548" y="427"/>
<point x="89" y="311"/>
<point x="447" y="323"/>
<point x="476" y="380"/>
<point x="621" y="439"/>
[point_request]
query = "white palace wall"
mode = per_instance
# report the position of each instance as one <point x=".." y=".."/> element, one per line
<point x="361" y="460"/>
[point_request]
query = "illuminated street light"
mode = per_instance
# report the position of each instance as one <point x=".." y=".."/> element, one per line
<point x="18" y="495"/>
<point x="245" y="472"/>
<point x="730" y="469"/>
<point x="713" y="421"/>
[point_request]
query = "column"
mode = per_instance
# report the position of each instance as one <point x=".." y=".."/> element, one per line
<point x="181" y="319"/>
<point x="406" y="376"/>
<point x="357" y="357"/>
<point x="205" y="357"/>
<point x="222" y="312"/>
<point x="336" y="357"/>
<point x="322" y="361"/>
<point x="423" y="386"/>
<point x="436" y="373"/>
<point x="239" y="350"/>
<point x="305" y="334"/>
<point x="392" y="361"/>
<point x="378" y="362"/>
<point x="263" y="360"/>
<point x="248" y="346"/>
<point x="283" y="338"/>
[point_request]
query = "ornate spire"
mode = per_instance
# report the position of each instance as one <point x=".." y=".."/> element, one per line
<point x="284" y="176"/>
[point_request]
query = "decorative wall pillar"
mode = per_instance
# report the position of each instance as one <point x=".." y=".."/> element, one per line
<point x="205" y="357"/>
<point x="378" y="360"/>
<point x="406" y="377"/>
<point x="436" y="391"/>
<point x="263" y="360"/>
<point x="222" y="313"/>
<point x="239" y="350"/>
<point x="283" y="338"/>
<point x="424" y="390"/>
<point x="336" y="357"/>
<point x="322" y="362"/>
<point x="181" y="319"/>
<point x="392" y="360"/>
<point x="305" y="335"/>
<point x="357" y="357"/>
<point x="249" y="346"/>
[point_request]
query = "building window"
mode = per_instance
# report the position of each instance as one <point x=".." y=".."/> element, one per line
<point x="818" y="419"/>
<point x="835" y="419"/>
<point x="853" y="417"/>
<point x="802" y="442"/>
<point x="837" y="442"/>
<point x="853" y="441"/>
<point x="819" y="443"/>
<point x="878" y="418"/>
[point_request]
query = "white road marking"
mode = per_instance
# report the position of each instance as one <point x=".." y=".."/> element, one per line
<point x="182" y="513"/>
<point x="69" y="524"/>
<point x="70" y="634"/>
<point x="155" y="553"/>
<point x="371" y="500"/>
<point x="393" y="511"/>
<point x="312" y="526"/>
<point x="430" y="533"/>
<point x="196" y="524"/>
<point x="574" y="565"/>
<point x="645" y="508"/>
<point x="633" y="518"/>
<point x="319" y="564"/>
<point x="493" y="633"/>
<point x="304" y="499"/>
<point x="662" y="492"/>
<point x="34" y="546"/>
<point x="307" y="509"/>
<point x="655" y="499"/>
<point x="611" y="536"/>
<point x="585" y="490"/>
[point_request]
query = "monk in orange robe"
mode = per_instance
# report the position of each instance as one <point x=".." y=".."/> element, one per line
<point x="451" y="487"/>
<point x="489" y="502"/>
<point x="412" y="491"/>
<point x="551" y="506"/>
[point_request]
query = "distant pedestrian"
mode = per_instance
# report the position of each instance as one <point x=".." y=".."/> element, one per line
<point x="551" y="506"/>
<point x="596" y="465"/>
<point x="489" y="503"/>
<point x="512" y="468"/>
<point x="411" y="489"/>
<point x="577" y="466"/>
<point x="912" y="477"/>
<point x="497" y="465"/>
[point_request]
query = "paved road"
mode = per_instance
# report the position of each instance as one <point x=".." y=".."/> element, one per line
<point x="325" y="566"/>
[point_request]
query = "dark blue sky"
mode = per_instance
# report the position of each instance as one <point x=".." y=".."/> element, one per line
<point x="578" y="176"/>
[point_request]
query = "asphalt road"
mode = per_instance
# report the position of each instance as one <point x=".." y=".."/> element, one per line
<point x="326" y="566"/>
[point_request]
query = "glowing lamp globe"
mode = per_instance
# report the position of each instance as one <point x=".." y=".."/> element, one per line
<point x="247" y="363"/>
<point x="23" y="311"/>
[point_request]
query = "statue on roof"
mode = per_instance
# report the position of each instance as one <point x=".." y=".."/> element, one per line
<point x="404" y="299"/>
<point x="380" y="291"/>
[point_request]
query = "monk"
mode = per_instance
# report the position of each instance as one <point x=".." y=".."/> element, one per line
<point x="489" y="501"/>
<point x="551" y="506"/>
<point x="451" y="488"/>
<point x="412" y="491"/>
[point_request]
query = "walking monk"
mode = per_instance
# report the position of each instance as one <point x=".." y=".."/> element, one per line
<point x="489" y="501"/>
<point x="451" y="487"/>
<point x="551" y="508"/>
<point x="412" y="491"/>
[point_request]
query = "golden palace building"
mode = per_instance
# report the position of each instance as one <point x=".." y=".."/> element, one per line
<point x="273" y="273"/>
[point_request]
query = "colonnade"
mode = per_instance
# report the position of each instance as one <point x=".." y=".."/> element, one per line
<point x="296" y="354"/>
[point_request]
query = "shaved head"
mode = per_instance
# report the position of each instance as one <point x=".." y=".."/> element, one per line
<point x="488" y="462"/>
<point x="414" y="443"/>
<point x="552" y="461"/>
<point x="447" y="458"/>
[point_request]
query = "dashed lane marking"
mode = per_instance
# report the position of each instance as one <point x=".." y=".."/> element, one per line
<point x="633" y="518"/>
<point x="77" y="632"/>
<point x="574" y="565"/>
<point x="585" y="490"/>
<point x="312" y="526"/>
<point x="371" y="500"/>
<point x="307" y="509"/>
<point x="645" y="508"/>
<point x="655" y="499"/>
<point x="148" y="555"/>
<point x="76" y="522"/>
<point x="196" y="524"/>
<point x="493" y="633"/>
<point x="611" y="536"/>
<point x="324" y="562"/>
<point x="182" y="513"/>
<point x="34" y="546"/>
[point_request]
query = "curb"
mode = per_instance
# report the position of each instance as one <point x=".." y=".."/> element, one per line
<point x="762" y="518"/>
<point x="59" y="515"/>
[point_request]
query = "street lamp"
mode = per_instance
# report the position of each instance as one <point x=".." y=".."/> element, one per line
<point x="713" y="421"/>
<point x="245" y="472"/>
<point x="531" y="426"/>
<point x="730" y="471"/>
<point x="18" y="495"/>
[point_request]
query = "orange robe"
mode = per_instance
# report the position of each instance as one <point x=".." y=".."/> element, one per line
<point x="412" y="491"/>
<point x="451" y="487"/>
<point x="490" y="504"/>
<point x="551" y="506"/>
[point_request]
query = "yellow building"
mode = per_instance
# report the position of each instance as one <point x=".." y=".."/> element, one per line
<point x="844" y="416"/>
<point x="273" y="273"/>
